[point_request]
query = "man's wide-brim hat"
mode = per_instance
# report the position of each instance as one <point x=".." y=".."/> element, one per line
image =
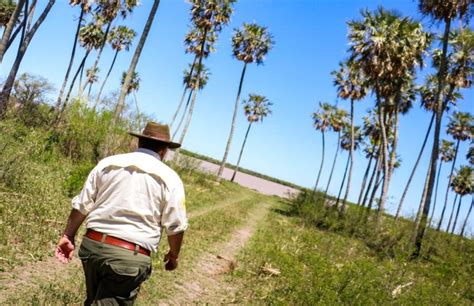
<point x="157" y="132"/>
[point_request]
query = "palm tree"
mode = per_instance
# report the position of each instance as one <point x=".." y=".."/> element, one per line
<point x="196" y="83"/>
<point x="133" y="87"/>
<point x="446" y="11"/>
<point x="106" y="12"/>
<point x="322" y="122"/>
<point x="467" y="218"/>
<point x="447" y="155"/>
<point x="92" y="78"/>
<point x="191" y="83"/>
<point x="350" y="85"/>
<point x="387" y="48"/>
<point x="133" y="64"/>
<point x="338" y="120"/>
<point x="10" y="81"/>
<point x="427" y="92"/>
<point x="85" y="8"/>
<point x="120" y="38"/>
<point x="461" y="128"/>
<point x="90" y="38"/>
<point x="9" y="17"/>
<point x="369" y="151"/>
<point x="7" y="9"/>
<point x="348" y="142"/>
<point x="462" y="184"/>
<point x="470" y="154"/>
<point x="256" y="108"/>
<point x="250" y="44"/>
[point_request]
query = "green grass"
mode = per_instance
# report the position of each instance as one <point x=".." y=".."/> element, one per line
<point x="323" y="267"/>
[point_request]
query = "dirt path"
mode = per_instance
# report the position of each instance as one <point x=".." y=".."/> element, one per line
<point x="25" y="278"/>
<point x="205" y="283"/>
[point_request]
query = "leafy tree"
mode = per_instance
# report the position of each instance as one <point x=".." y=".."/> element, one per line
<point x="338" y="120"/>
<point x="447" y="152"/>
<point x="207" y="20"/>
<point x="461" y="128"/>
<point x="446" y="11"/>
<point x="90" y="38"/>
<point x="28" y="36"/>
<point x="9" y="17"/>
<point x="256" y="108"/>
<point x="387" y="49"/>
<point x="133" y="87"/>
<point x="192" y="83"/>
<point x="350" y="85"/>
<point x="85" y="6"/>
<point x="322" y="122"/>
<point x="120" y="38"/>
<point x="462" y="184"/>
<point x="250" y="44"/>
<point x="106" y="13"/>
<point x="133" y="64"/>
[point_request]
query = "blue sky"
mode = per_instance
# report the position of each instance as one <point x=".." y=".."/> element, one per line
<point x="311" y="38"/>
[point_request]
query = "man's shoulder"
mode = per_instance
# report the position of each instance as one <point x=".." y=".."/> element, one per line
<point x="144" y="162"/>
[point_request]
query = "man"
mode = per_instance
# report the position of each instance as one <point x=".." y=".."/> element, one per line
<point x="126" y="200"/>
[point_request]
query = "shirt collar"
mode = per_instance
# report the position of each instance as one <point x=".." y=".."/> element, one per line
<point x="150" y="152"/>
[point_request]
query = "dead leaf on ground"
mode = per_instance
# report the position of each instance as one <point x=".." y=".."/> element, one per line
<point x="267" y="269"/>
<point x="398" y="290"/>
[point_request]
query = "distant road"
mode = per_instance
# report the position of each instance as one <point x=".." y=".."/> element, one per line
<point x="246" y="180"/>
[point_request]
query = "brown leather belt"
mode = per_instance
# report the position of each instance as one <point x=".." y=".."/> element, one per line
<point x="97" y="236"/>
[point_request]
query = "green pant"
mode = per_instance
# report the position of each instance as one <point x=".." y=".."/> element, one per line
<point x="113" y="274"/>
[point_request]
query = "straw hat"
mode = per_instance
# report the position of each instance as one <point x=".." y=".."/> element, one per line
<point x="158" y="132"/>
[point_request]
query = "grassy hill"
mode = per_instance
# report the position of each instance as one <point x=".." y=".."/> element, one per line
<point x="242" y="247"/>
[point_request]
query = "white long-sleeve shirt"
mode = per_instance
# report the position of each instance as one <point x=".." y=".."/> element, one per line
<point x="132" y="196"/>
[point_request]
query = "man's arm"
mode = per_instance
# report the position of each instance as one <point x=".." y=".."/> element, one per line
<point x="65" y="247"/>
<point x="171" y="258"/>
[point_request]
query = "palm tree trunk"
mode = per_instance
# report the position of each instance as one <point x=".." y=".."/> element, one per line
<point x="412" y="174"/>
<point x="99" y="54"/>
<point x="190" y="115"/>
<point x="23" y="24"/>
<point x="71" y="60"/>
<point x="134" y="62"/>
<point x="136" y="102"/>
<point x="8" y="85"/>
<point x="333" y="164"/>
<point x="343" y="181"/>
<point x="451" y="173"/>
<point x="9" y="28"/>
<point x="349" y="177"/>
<point x="241" y="151"/>
<point x="467" y="218"/>
<point x="452" y="213"/>
<point x="376" y="186"/>
<point x="184" y="114"/>
<point x="181" y="101"/>
<point x="321" y="166"/>
<point x="371" y="181"/>
<point x="232" y="126"/>
<point x="436" y="190"/>
<point x="97" y="99"/>
<point x="422" y="201"/>
<point x="420" y="229"/>
<point x="457" y="215"/>
<point x="364" y="180"/>
<point x="386" y="170"/>
<point x="30" y="15"/>
<point x="71" y="86"/>
<point x="79" y="91"/>
<point x="183" y="95"/>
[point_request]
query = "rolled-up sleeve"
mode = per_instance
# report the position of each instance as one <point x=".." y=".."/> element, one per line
<point x="84" y="202"/>
<point x="173" y="217"/>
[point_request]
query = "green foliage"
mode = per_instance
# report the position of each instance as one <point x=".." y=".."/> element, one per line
<point x="329" y="266"/>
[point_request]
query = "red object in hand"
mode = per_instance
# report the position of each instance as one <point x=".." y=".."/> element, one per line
<point x="171" y="262"/>
<point x="65" y="249"/>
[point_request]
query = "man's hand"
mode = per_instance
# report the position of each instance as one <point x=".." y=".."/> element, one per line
<point x="171" y="262"/>
<point x="64" y="249"/>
